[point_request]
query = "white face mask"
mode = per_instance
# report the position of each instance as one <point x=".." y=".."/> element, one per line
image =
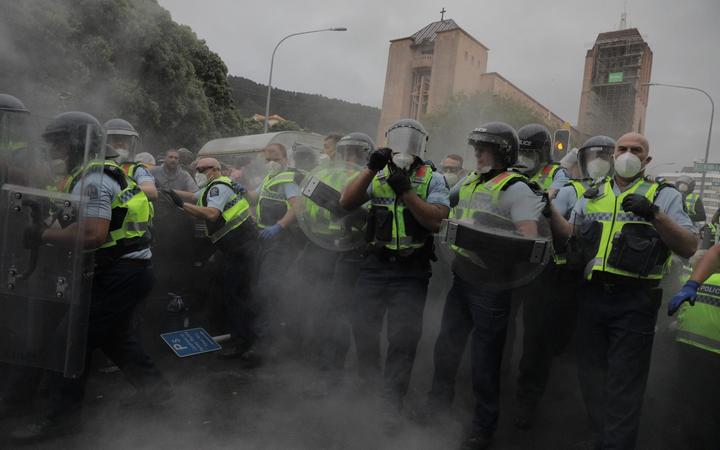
<point x="324" y="157"/>
<point x="526" y="164"/>
<point x="682" y="187"/>
<point x="58" y="166"/>
<point x="451" y="178"/>
<point x="598" y="168"/>
<point x="273" y="168"/>
<point x="627" y="165"/>
<point x="403" y="161"/>
<point x="200" y="179"/>
<point x="123" y="155"/>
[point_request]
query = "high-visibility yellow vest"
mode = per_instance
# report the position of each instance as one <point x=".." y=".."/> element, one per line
<point x="606" y="209"/>
<point x="272" y="204"/>
<point x="699" y="324"/>
<point x="235" y="212"/>
<point x="544" y="177"/>
<point x="580" y="187"/>
<point x="689" y="204"/>
<point x="322" y="220"/>
<point x="476" y="197"/>
<point x="130" y="207"/>
<point x="384" y="197"/>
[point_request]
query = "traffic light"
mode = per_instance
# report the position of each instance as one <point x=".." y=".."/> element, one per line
<point x="561" y="140"/>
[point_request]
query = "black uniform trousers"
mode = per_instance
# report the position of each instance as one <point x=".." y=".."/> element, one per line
<point x="398" y="288"/>
<point x="485" y="312"/>
<point x="549" y="317"/>
<point x="117" y="291"/>
<point x="615" y="333"/>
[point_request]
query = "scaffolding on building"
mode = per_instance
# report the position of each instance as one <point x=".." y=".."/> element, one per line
<point x="615" y="83"/>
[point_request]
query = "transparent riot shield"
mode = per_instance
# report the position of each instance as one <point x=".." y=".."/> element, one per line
<point x="482" y="241"/>
<point x="320" y="216"/>
<point x="45" y="269"/>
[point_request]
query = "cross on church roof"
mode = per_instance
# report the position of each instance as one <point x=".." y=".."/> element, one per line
<point x="442" y="14"/>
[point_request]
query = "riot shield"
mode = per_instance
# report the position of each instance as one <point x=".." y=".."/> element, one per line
<point x="483" y="240"/>
<point x="45" y="269"/>
<point x="320" y="215"/>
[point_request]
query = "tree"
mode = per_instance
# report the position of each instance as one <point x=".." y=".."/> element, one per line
<point x="449" y="127"/>
<point x="117" y="58"/>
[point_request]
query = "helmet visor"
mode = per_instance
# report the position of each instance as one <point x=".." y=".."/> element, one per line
<point x="595" y="162"/>
<point x="407" y="140"/>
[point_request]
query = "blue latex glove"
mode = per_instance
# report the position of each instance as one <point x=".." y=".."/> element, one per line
<point x="271" y="231"/>
<point x="686" y="294"/>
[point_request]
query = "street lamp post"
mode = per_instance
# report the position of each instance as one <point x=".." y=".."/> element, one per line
<point x="272" y="61"/>
<point x="712" y="116"/>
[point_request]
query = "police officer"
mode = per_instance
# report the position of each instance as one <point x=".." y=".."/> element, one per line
<point x="698" y="337"/>
<point x="691" y="200"/>
<point x="535" y="160"/>
<point x="276" y="220"/>
<point x="123" y="138"/>
<point x="626" y="227"/>
<point x="117" y="214"/>
<point x="408" y="202"/>
<point x="351" y="151"/>
<point x="472" y="303"/>
<point x="230" y="227"/>
<point x="549" y="307"/>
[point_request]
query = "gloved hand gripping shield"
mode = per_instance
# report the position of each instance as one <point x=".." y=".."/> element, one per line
<point x="486" y="244"/>
<point x="320" y="215"/>
<point x="45" y="283"/>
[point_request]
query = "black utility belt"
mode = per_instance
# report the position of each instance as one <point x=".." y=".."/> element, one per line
<point x="611" y="280"/>
<point x="388" y="255"/>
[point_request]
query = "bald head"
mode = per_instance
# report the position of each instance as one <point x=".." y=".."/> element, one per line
<point x="209" y="166"/>
<point x="633" y="139"/>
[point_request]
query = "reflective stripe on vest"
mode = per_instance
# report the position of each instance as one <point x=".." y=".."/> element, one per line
<point x="270" y="193"/>
<point x="605" y="208"/>
<point x="384" y="196"/>
<point x="699" y="324"/>
<point x="545" y="176"/>
<point x="235" y="212"/>
<point x="476" y="197"/>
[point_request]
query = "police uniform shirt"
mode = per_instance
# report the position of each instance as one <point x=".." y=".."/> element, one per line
<point x="669" y="201"/>
<point x="142" y="175"/>
<point x="521" y="202"/>
<point x="560" y="179"/>
<point x="438" y="191"/>
<point x="218" y="196"/>
<point x="565" y="200"/>
<point x="100" y="190"/>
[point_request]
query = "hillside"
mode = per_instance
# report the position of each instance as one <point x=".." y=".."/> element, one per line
<point x="310" y="111"/>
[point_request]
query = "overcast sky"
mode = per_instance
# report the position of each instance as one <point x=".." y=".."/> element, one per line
<point x="539" y="45"/>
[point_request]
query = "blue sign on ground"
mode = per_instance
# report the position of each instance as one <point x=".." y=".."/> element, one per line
<point x="190" y="342"/>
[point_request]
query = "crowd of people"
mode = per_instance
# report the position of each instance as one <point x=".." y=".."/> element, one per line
<point x="320" y="253"/>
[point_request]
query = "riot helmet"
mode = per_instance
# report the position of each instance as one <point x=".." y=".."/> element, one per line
<point x="500" y="138"/>
<point x="595" y="157"/>
<point x="74" y="138"/>
<point x="535" y="143"/>
<point x="13" y="123"/>
<point x="305" y="157"/>
<point x="685" y="184"/>
<point x="355" y="148"/>
<point x="122" y="137"/>
<point x="407" y="138"/>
